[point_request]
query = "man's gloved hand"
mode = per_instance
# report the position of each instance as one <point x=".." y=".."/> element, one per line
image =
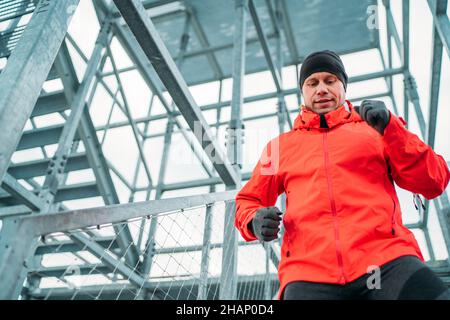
<point x="265" y="224"/>
<point x="375" y="113"/>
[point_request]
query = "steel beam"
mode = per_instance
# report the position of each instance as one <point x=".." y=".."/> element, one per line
<point x="136" y="53"/>
<point x="440" y="7"/>
<point x="202" y="38"/>
<point x="228" y="289"/>
<point x="147" y="36"/>
<point x="40" y="137"/>
<point x="36" y="168"/>
<point x="16" y="210"/>
<point x="64" y="193"/>
<point x="274" y="70"/>
<point x="86" y="130"/>
<point x="206" y="249"/>
<point x="150" y="243"/>
<point x="111" y="262"/>
<point x="287" y="28"/>
<point x="71" y="246"/>
<point x="441" y="22"/>
<point x="393" y="29"/>
<point x="27" y="68"/>
<point x="50" y="103"/>
<point x="83" y="218"/>
<point x="437" y="52"/>
<point x="19" y="192"/>
<point x="405" y="55"/>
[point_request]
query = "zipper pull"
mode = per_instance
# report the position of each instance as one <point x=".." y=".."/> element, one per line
<point x="414" y="201"/>
<point x="416" y="196"/>
<point x="393" y="231"/>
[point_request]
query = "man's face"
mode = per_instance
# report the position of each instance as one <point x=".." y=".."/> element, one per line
<point x="323" y="92"/>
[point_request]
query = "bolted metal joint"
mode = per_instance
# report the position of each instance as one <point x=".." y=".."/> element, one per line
<point x="411" y="87"/>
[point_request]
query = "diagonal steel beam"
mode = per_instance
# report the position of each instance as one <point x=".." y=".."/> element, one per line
<point x="437" y="47"/>
<point x="437" y="8"/>
<point x="56" y="168"/>
<point x="287" y="27"/>
<point x="405" y="48"/>
<point x="155" y="50"/>
<point x="136" y="53"/>
<point x="93" y="148"/>
<point x="205" y="44"/>
<point x="14" y="188"/>
<point x="393" y="29"/>
<point x="111" y="262"/>
<point x="441" y="22"/>
<point x="276" y="76"/>
<point x="27" y="68"/>
<point x="150" y="243"/>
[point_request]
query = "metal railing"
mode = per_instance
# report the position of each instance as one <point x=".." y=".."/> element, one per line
<point x="179" y="240"/>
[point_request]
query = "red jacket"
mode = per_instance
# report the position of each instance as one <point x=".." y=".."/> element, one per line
<point x="342" y="211"/>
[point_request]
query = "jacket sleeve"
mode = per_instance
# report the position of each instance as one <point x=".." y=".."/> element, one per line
<point x="262" y="190"/>
<point x="414" y="165"/>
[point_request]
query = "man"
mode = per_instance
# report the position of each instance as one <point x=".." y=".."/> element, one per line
<point x="337" y="167"/>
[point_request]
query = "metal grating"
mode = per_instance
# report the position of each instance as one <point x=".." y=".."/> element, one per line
<point x="13" y="10"/>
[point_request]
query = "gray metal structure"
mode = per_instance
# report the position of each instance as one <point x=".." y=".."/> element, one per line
<point x="173" y="45"/>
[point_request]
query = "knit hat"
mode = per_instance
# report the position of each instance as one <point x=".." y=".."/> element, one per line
<point x="323" y="61"/>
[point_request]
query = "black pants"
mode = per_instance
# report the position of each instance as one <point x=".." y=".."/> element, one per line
<point x="403" y="278"/>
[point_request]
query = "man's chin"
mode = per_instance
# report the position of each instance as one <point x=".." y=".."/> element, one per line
<point x="325" y="109"/>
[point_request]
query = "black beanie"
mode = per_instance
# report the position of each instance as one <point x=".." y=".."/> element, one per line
<point x="323" y="61"/>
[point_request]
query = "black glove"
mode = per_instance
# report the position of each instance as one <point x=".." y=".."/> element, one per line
<point x="375" y="113"/>
<point x="265" y="224"/>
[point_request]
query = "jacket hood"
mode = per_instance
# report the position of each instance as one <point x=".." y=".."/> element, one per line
<point x="308" y="119"/>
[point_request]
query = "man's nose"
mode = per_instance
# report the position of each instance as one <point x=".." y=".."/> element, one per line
<point x="322" y="89"/>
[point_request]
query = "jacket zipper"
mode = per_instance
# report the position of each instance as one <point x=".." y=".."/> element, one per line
<point x="393" y="219"/>
<point x="333" y="208"/>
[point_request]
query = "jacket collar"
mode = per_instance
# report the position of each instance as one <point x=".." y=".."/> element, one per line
<point x="343" y="114"/>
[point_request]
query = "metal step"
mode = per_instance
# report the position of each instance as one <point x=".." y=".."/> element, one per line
<point x="41" y="137"/>
<point x="37" y="168"/>
<point x="65" y="193"/>
<point x="50" y="103"/>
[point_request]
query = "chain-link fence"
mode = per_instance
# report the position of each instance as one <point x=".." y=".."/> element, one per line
<point x="179" y="256"/>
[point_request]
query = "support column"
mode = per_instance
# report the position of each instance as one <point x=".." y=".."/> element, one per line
<point x="206" y="249"/>
<point x="228" y="277"/>
<point x="150" y="244"/>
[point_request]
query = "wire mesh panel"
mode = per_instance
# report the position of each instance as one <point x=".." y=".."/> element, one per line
<point x="180" y="257"/>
